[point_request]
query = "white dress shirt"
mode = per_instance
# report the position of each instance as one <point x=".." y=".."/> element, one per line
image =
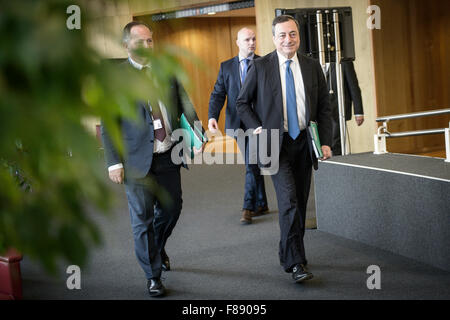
<point x="158" y="146"/>
<point x="299" y="90"/>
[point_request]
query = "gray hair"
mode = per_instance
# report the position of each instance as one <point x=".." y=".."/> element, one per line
<point x="127" y="30"/>
<point x="281" y="19"/>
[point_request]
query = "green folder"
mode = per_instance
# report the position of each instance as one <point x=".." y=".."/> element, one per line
<point x="192" y="136"/>
<point x="313" y="130"/>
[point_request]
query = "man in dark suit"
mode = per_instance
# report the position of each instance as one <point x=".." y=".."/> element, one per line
<point x="352" y="95"/>
<point x="284" y="91"/>
<point x="147" y="160"/>
<point x="229" y="81"/>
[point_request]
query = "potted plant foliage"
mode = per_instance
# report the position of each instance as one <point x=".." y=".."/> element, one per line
<point x="51" y="178"/>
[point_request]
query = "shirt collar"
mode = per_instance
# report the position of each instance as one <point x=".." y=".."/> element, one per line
<point x="250" y="57"/>
<point x="282" y="59"/>
<point x="136" y="64"/>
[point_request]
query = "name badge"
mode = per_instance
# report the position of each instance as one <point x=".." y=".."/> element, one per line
<point x="157" y="124"/>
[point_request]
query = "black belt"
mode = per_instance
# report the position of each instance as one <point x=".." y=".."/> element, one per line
<point x="302" y="133"/>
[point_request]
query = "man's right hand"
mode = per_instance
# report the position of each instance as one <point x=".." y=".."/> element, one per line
<point x="212" y="125"/>
<point x="117" y="175"/>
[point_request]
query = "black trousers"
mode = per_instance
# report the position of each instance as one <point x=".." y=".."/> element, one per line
<point x="153" y="220"/>
<point x="292" y="184"/>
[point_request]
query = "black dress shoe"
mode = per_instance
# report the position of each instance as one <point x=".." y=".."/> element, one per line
<point x="155" y="287"/>
<point x="300" y="273"/>
<point x="165" y="262"/>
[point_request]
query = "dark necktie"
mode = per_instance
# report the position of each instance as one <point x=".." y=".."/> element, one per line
<point x="160" y="134"/>
<point x="244" y="70"/>
<point x="291" y="103"/>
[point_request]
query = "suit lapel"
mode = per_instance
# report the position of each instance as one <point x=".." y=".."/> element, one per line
<point x="276" y="85"/>
<point x="306" y="71"/>
<point x="174" y="110"/>
<point x="235" y="75"/>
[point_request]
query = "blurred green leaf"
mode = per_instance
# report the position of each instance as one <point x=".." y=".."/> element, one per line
<point x="51" y="176"/>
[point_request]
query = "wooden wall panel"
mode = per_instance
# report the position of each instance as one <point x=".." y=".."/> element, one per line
<point x="211" y="40"/>
<point x="412" y="70"/>
<point x="392" y="72"/>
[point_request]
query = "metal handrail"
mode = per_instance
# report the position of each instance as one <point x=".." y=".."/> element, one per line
<point x="414" y="133"/>
<point x="383" y="133"/>
<point x="414" y="115"/>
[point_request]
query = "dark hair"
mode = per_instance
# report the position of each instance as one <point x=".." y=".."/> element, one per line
<point x="281" y="19"/>
<point x="129" y="26"/>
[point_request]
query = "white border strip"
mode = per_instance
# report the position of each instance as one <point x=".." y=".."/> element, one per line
<point x="385" y="170"/>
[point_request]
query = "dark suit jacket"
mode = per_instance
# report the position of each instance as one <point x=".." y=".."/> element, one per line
<point x="352" y="92"/>
<point x="228" y="85"/>
<point x="262" y="87"/>
<point x="138" y="137"/>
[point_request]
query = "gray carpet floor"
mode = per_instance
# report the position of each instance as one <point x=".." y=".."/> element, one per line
<point x="214" y="257"/>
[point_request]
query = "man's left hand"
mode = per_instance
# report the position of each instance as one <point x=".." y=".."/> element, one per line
<point x="198" y="151"/>
<point x="326" y="150"/>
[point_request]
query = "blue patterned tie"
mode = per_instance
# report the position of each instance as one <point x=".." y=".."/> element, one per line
<point x="291" y="103"/>
<point x="244" y="70"/>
